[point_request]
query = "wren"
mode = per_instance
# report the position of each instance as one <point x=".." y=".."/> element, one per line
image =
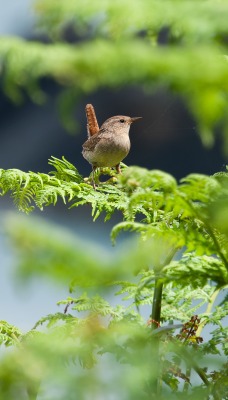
<point x="108" y="145"/>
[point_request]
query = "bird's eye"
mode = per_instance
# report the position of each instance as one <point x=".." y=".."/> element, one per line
<point x="122" y="121"/>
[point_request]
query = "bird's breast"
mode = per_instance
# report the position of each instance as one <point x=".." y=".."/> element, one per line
<point x="109" y="151"/>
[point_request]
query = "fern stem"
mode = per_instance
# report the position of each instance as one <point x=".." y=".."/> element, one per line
<point x="192" y="364"/>
<point x="156" y="385"/>
<point x="157" y="298"/>
<point x="203" y="376"/>
<point x="156" y="318"/>
<point x="156" y="307"/>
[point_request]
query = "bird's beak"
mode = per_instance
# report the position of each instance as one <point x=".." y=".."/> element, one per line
<point x="133" y="119"/>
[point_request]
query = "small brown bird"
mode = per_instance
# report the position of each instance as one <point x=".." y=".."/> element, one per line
<point x="109" y="145"/>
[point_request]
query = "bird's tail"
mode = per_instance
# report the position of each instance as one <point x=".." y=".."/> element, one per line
<point x="92" y="124"/>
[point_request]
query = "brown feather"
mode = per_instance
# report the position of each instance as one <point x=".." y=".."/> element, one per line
<point x="92" y="124"/>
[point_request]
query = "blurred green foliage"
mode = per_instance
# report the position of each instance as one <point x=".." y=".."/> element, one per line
<point x="119" y="44"/>
<point x="177" y="265"/>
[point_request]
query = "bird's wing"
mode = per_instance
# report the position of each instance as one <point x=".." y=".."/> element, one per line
<point x="93" y="141"/>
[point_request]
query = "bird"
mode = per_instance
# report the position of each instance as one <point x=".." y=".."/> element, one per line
<point x="108" y="145"/>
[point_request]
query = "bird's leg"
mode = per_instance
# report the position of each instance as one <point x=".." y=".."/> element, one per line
<point x="93" y="177"/>
<point x="118" y="169"/>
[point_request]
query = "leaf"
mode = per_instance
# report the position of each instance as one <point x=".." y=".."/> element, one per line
<point x="199" y="268"/>
<point x="9" y="334"/>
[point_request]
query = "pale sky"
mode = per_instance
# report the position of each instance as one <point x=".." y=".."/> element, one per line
<point x="16" y="17"/>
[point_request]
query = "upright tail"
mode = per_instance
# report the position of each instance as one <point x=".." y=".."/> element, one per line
<point x="92" y="124"/>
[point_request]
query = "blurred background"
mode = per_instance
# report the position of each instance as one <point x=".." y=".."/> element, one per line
<point x="165" y="139"/>
<point x="30" y="134"/>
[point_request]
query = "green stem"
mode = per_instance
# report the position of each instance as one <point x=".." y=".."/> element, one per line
<point x="156" y="382"/>
<point x="203" y="376"/>
<point x="156" y="318"/>
<point x="186" y="384"/>
<point x="156" y="308"/>
<point x="157" y="298"/>
<point x="192" y="364"/>
<point x="33" y="390"/>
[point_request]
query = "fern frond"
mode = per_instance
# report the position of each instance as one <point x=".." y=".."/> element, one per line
<point x="22" y="187"/>
<point x="106" y="198"/>
<point x="178" y="214"/>
<point x="95" y="304"/>
<point x="126" y="226"/>
<point x="182" y="21"/>
<point x="9" y="334"/>
<point x="39" y="188"/>
<point x="199" y="187"/>
<point x="200" y="268"/>
<point x="53" y="319"/>
<point x="11" y="177"/>
<point x="177" y="301"/>
<point x="64" y="170"/>
<point x="23" y="197"/>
